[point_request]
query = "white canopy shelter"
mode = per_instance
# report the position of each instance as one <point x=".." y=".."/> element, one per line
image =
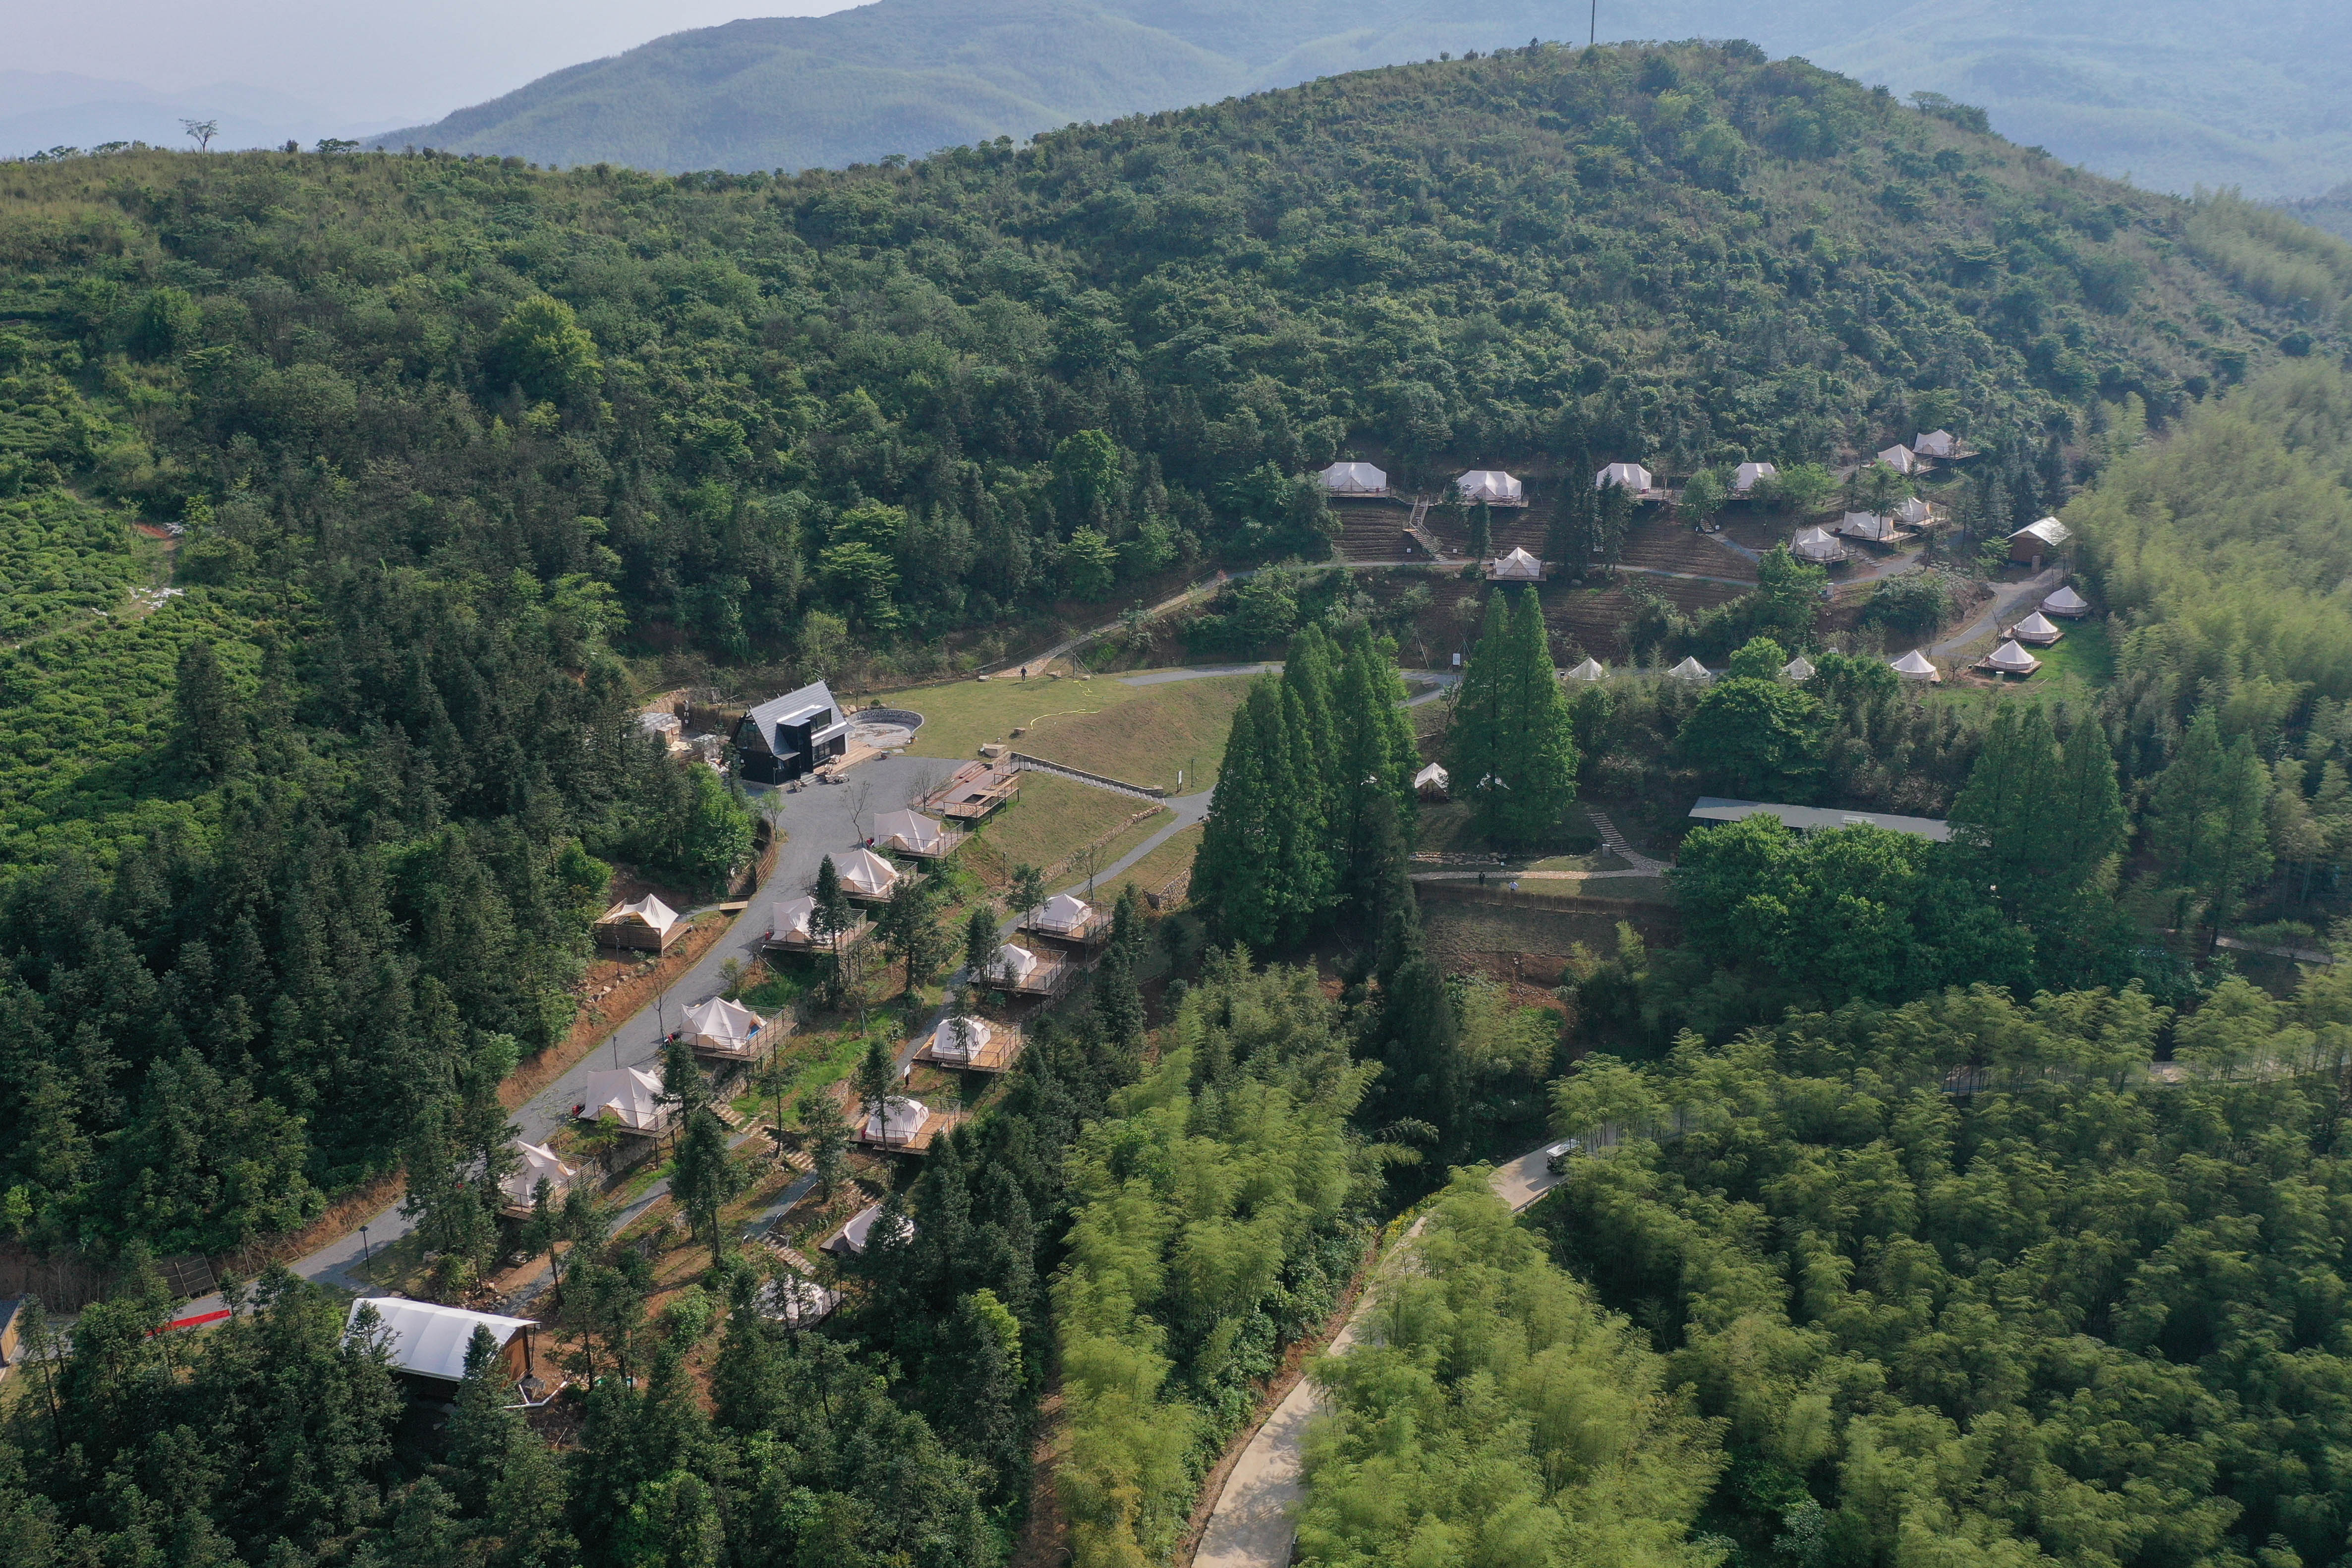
<point x="2011" y="659"/>
<point x="1515" y="566"/>
<point x="855" y="1236"/>
<point x="2067" y="603"/>
<point x="865" y="873"/>
<point x="428" y="1340"/>
<point x="910" y="831"/>
<point x="539" y="1162"/>
<point x="1433" y="782"/>
<point x="1868" y="525"/>
<point x="1914" y="512"/>
<point x="791" y="919"/>
<point x="1354" y="480"/>
<point x="1489" y="485"/>
<point x="1690" y="669"/>
<point x="723" y="1025"/>
<point x="1798" y="668"/>
<point x="1747" y="475"/>
<point x="631" y="1095"/>
<point x="1628" y="475"/>
<point x="1936" y="444"/>
<point x="1591" y="669"/>
<point x="1915" y="665"/>
<point x="1815" y="545"/>
<point x="2036" y="630"/>
<point x="1062" y="913"/>
<point x="1010" y="965"/>
<point x="1900" y="459"/>
<point x="901" y="1119"/>
<point x="796" y="1301"/>
<point x="961" y="1040"/>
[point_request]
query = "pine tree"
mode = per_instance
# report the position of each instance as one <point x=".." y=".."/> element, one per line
<point x="1482" y="532"/>
<point x="831" y="918"/>
<point x="1474" y="743"/>
<point x="2239" y="847"/>
<point x="211" y="729"/>
<point x="705" y="1177"/>
<point x="1307" y="675"/>
<point x="878" y="1077"/>
<point x="1537" y="745"/>
<point x="1377" y="760"/>
<point x="825" y="1131"/>
<point x="1028" y="889"/>
<point x="2088" y="823"/>
<point x="1303" y="833"/>
<point x="2005" y="819"/>
<point x="1229" y="869"/>
<point x="980" y="943"/>
<point x="2179" y="819"/>
<point x="1117" y="1004"/>
<point x="1126" y="938"/>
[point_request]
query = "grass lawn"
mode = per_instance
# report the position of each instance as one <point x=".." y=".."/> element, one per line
<point x="1143" y="734"/>
<point x="1157" y="869"/>
<point x="2073" y="672"/>
<point x="1055" y="815"/>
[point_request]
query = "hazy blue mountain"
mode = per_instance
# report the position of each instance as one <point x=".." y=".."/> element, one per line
<point x="2173" y="93"/>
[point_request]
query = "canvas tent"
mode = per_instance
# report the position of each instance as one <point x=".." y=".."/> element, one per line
<point x="1915" y="666"/>
<point x="727" y="1027"/>
<point x="539" y="1163"/>
<point x="1913" y="512"/>
<point x="911" y="832"/>
<point x="1591" y="669"/>
<point x="1747" y="475"/>
<point x="1431" y="782"/>
<point x="1490" y="485"/>
<point x="645" y="924"/>
<point x="2036" y="630"/>
<point x="795" y="1301"/>
<point x="1899" y="458"/>
<point x="1010" y="965"/>
<point x="866" y="875"/>
<point x="2066" y="603"/>
<point x="631" y="1095"/>
<point x="1062" y="915"/>
<point x="851" y="1239"/>
<point x="1689" y="670"/>
<point x="2036" y="540"/>
<point x="1798" y="668"/>
<point x="1627" y="476"/>
<point x="1515" y="566"/>
<point x="899" y="1120"/>
<point x="1938" y="444"/>
<point x="1815" y="545"/>
<point x="1869" y="525"/>
<point x="2011" y="659"/>
<point x="1354" y="480"/>
<point x="961" y="1040"/>
<point x="793" y="920"/>
<point x="426" y="1340"/>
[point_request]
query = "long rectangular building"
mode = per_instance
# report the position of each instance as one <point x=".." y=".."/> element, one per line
<point x="1816" y="818"/>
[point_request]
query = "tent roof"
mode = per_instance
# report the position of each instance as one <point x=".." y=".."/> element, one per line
<point x="2050" y="530"/>
<point x="854" y="1235"/>
<point x="1591" y="669"/>
<point x="1799" y="668"/>
<point x="1061" y="910"/>
<point x="2037" y="625"/>
<point x="1690" y="669"/>
<point x="648" y="910"/>
<point x="1914" y="663"/>
<point x="1900" y="459"/>
<point x="1516" y="563"/>
<point x="790" y="917"/>
<point x="1010" y="962"/>
<point x="912" y="826"/>
<point x="1866" y="525"/>
<point x="1361" y="474"/>
<point x="722" y="1019"/>
<point x="900" y="1117"/>
<point x="795" y="1301"/>
<point x="1911" y="509"/>
<point x="430" y="1339"/>
<point x="631" y="1094"/>
<point x="943" y="1039"/>
<point x="1434" y="774"/>
<point x="538" y="1160"/>
<point x="867" y="871"/>
<point x="1486" y="481"/>
<point x="2010" y="656"/>
<point x="1632" y="476"/>
<point x="2065" y="601"/>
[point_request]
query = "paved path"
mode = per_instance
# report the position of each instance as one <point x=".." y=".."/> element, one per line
<point x="1256" y="1515"/>
<point x="1643" y="865"/>
<point x="1199" y="672"/>
<point x="2005" y="598"/>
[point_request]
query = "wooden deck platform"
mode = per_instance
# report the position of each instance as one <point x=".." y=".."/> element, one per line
<point x="948" y="844"/>
<point x="1053" y="975"/>
<point x="1090" y="932"/>
<point x="757" y="1049"/>
<point x="820" y="946"/>
<point x="973" y="790"/>
<point x="937" y="1125"/>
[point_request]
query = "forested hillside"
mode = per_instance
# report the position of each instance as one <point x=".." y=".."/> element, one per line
<point x="438" y="431"/>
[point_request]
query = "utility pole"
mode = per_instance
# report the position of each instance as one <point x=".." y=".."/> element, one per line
<point x="1592" y="36"/>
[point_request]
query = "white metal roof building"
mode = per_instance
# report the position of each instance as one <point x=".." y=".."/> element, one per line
<point x="1814" y="818"/>
<point x="427" y="1340"/>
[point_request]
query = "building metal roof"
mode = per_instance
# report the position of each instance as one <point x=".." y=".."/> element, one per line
<point x="1816" y="818"/>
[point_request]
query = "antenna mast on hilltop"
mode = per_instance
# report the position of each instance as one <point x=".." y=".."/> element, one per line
<point x="1593" y="35"/>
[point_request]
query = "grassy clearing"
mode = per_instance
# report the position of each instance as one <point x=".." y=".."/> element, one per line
<point x="1178" y="728"/>
<point x="1157" y="869"/>
<point x="1055" y="815"/>
<point x="1144" y="734"/>
<point x="2073" y="672"/>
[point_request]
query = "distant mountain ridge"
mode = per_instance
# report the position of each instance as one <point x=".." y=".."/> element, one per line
<point x="2265" y="104"/>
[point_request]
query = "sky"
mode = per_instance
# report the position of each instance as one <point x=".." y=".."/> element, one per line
<point x="364" y="65"/>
